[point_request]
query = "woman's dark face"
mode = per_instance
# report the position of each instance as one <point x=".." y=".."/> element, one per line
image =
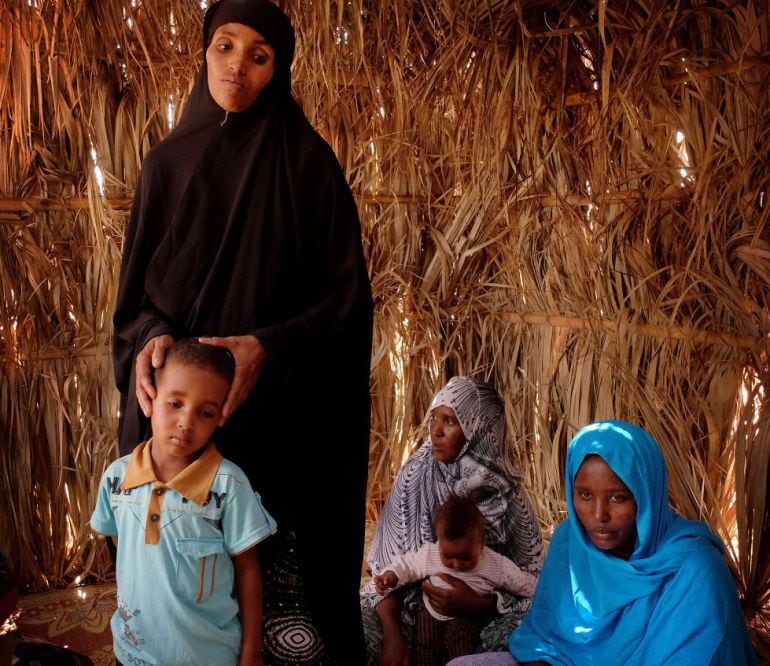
<point x="240" y="63"/>
<point x="446" y="435"/>
<point x="605" y="507"/>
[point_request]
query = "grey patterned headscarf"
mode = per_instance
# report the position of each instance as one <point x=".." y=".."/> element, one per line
<point x="479" y="471"/>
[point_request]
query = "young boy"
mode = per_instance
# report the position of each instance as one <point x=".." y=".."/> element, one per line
<point x="188" y="523"/>
<point x="460" y="552"/>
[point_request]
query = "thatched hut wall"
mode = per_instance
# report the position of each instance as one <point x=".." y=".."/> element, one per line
<point x="570" y="199"/>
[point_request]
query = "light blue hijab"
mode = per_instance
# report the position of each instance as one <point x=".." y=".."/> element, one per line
<point x="672" y="602"/>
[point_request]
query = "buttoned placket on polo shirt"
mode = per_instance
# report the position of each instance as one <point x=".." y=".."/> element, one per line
<point x="154" y="514"/>
<point x="193" y="483"/>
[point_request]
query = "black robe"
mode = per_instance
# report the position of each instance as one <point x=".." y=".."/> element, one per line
<point x="243" y="223"/>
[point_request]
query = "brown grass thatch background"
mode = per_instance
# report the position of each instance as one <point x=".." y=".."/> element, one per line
<point x="567" y="198"/>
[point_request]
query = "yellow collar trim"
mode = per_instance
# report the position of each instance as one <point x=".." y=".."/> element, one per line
<point x="193" y="482"/>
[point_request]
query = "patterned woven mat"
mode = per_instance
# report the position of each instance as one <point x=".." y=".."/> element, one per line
<point x="77" y="618"/>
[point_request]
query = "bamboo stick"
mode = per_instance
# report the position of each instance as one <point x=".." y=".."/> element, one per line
<point x="41" y="204"/>
<point x="37" y="204"/>
<point x="747" y="342"/>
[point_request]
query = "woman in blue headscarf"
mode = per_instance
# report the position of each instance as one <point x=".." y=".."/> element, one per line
<point x="626" y="580"/>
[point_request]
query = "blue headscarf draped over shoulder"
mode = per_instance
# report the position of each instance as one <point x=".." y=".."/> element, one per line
<point x="672" y="601"/>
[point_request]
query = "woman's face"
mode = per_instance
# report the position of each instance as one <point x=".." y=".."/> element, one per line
<point x="240" y="64"/>
<point x="446" y="435"/>
<point x="605" y="507"/>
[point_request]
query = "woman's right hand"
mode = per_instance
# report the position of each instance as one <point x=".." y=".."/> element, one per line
<point x="459" y="599"/>
<point x="153" y="355"/>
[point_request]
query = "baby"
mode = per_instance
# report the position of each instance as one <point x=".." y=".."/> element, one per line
<point x="460" y="552"/>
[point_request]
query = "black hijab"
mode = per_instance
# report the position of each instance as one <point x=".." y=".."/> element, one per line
<point x="265" y="18"/>
<point x="244" y="223"/>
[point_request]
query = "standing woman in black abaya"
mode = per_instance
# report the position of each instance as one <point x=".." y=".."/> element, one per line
<point x="244" y="232"/>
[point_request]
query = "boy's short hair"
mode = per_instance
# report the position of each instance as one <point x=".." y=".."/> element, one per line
<point x="459" y="517"/>
<point x="190" y="351"/>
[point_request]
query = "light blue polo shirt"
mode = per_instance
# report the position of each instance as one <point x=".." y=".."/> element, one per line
<point x="177" y="602"/>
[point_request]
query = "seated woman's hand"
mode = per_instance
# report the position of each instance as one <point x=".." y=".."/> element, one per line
<point x="458" y="600"/>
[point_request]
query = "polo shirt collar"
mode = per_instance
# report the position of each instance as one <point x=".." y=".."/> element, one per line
<point x="193" y="482"/>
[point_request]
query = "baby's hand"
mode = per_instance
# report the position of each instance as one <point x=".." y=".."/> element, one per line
<point x="385" y="581"/>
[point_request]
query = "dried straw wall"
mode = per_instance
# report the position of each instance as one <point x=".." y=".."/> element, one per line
<point x="569" y="199"/>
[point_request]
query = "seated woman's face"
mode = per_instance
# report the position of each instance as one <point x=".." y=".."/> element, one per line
<point x="446" y="435"/>
<point x="240" y="64"/>
<point x="606" y="508"/>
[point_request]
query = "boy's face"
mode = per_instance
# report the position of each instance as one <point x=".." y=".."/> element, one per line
<point x="186" y="410"/>
<point x="461" y="554"/>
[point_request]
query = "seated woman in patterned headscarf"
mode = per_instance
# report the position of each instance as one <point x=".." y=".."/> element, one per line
<point x="627" y="580"/>
<point x="463" y="456"/>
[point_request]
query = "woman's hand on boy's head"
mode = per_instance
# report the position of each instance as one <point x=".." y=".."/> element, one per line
<point x="249" y="354"/>
<point x="153" y="355"/>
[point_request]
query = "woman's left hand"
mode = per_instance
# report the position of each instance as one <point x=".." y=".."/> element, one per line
<point x="459" y="599"/>
<point x="249" y="355"/>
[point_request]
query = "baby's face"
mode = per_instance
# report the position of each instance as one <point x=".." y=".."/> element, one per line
<point x="461" y="554"/>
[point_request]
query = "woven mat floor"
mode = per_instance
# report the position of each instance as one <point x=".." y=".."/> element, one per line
<point x="77" y="618"/>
